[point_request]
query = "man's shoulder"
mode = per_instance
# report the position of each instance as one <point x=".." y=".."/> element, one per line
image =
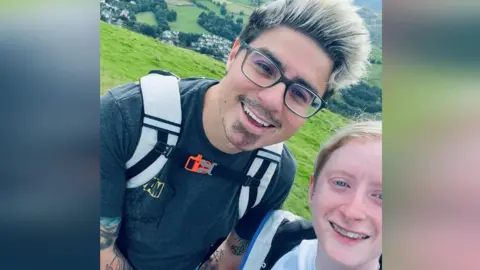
<point x="193" y="84"/>
<point x="129" y="95"/>
<point x="125" y="92"/>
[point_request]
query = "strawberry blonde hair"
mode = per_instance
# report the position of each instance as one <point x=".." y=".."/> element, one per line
<point x="364" y="130"/>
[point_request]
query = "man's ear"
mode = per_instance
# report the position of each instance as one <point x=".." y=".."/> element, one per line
<point x="311" y="190"/>
<point x="233" y="53"/>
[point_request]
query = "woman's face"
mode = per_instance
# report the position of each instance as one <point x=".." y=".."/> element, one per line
<point x="346" y="203"/>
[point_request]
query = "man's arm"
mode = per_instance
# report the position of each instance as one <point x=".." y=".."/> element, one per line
<point x="110" y="256"/>
<point x="229" y="254"/>
<point x="115" y="136"/>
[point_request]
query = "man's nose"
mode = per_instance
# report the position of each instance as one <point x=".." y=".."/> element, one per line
<point x="355" y="209"/>
<point x="272" y="98"/>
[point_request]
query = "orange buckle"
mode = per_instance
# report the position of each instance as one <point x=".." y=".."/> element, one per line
<point x="199" y="165"/>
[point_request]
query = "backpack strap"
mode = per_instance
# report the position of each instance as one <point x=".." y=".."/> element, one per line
<point x="287" y="237"/>
<point x="261" y="243"/>
<point x="161" y="127"/>
<point x="263" y="167"/>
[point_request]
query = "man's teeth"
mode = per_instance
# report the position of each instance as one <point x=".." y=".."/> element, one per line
<point x="254" y="117"/>
<point x="347" y="233"/>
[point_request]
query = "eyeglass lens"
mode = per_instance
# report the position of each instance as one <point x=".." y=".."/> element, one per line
<point x="262" y="71"/>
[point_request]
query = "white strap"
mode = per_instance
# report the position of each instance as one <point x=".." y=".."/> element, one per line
<point x="262" y="155"/>
<point x="162" y="110"/>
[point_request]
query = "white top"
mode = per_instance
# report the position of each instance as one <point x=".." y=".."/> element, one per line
<point x="302" y="257"/>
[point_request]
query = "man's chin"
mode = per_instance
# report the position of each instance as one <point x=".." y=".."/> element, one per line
<point x="242" y="145"/>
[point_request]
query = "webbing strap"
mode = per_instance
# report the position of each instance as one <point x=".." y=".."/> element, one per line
<point x="162" y="118"/>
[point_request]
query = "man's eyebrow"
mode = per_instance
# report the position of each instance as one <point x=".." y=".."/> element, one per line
<point x="272" y="56"/>
<point x="282" y="67"/>
<point x="305" y="83"/>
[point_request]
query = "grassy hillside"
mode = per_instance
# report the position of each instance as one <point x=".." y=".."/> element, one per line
<point x="126" y="56"/>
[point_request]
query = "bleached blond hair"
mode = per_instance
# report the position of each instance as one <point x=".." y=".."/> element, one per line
<point x="334" y="25"/>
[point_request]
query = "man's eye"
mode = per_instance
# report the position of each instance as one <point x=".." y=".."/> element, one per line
<point x="340" y="183"/>
<point x="264" y="67"/>
<point x="379" y="196"/>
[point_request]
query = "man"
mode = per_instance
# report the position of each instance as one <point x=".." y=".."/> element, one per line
<point x="288" y="60"/>
<point x="345" y="196"/>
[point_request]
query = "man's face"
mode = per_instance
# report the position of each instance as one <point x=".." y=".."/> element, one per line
<point x="346" y="203"/>
<point x="254" y="117"/>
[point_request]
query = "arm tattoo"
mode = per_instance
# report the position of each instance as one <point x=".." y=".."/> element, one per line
<point x="240" y="246"/>
<point x="213" y="261"/>
<point x="118" y="262"/>
<point x="108" y="231"/>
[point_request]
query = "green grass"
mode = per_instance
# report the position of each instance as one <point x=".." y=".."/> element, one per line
<point x="211" y="6"/>
<point x="375" y="76"/>
<point x="178" y="3"/>
<point x="187" y="19"/>
<point x="147" y="18"/>
<point x="126" y="56"/>
<point x="236" y="7"/>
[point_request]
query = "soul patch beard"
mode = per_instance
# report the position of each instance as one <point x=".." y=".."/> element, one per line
<point x="248" y="138"/>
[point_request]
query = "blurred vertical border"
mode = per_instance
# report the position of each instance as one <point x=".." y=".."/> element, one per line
<point x="431" y="114"/>
<point x="49" y="107"/>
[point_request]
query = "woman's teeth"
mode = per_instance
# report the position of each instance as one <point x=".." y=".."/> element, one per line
<point x="348" y="233"/>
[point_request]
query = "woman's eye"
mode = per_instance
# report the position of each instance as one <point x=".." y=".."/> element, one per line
<point x="379" y="196"/>
<point x="340" y="183"/>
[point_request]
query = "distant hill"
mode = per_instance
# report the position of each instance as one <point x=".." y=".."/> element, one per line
<point x="125" y="56"/>
<point x="373" y="21"/>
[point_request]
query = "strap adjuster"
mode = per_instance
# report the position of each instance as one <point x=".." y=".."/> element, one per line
<point x="251" y="182"/>
<point x="199" y="165"/>
<point x="167" y="149"/>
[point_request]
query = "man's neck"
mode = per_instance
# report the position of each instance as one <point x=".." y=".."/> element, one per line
<point x="323" y="262"/>
<point x="212" y="121"/>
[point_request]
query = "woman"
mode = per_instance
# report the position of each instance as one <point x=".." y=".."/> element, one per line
<point x="345" y="196"/>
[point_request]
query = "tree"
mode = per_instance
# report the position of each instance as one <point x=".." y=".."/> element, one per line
<point x="223" y="10"/>
<point x="357" y="100"/>
<point x="239" y="20"/>
<point x="242" y="13"/>
<point x="171" y="16"/>
<point x="219" y="26"/>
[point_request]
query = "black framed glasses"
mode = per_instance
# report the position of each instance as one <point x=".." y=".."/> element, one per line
<point x="261" y="70"/>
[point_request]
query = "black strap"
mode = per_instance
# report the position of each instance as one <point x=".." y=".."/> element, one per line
<point x="159" y="149"/>
<point x="288" y="236"/>
<point x="252" y="195"/>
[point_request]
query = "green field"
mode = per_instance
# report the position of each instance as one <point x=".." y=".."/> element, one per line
<point x="231" y="7"/>
<point x="210" y="5"/>
<point x="178" y="3"/>
<point x="375" y="74"/>
<point x="147" y="18"/>
<point x="187" y="19"/>
<point x="126" y="56"/>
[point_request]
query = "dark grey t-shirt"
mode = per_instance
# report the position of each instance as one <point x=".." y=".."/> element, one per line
<point x="172" y="227"/>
